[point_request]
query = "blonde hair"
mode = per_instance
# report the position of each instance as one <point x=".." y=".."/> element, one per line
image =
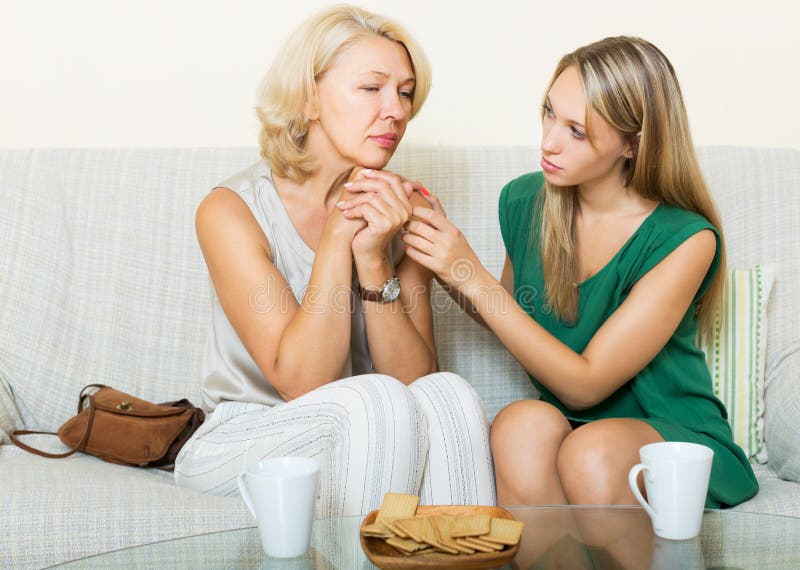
<point x="291" y="80"/>
<point x="630" y="84"/>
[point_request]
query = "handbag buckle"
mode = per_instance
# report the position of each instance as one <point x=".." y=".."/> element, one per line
<point x="124" y="406"/>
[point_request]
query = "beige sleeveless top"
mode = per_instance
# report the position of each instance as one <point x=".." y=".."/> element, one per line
<point x="228" y="372"/>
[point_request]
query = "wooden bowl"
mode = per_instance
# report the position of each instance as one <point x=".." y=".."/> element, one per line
<point x="387" y="557"/>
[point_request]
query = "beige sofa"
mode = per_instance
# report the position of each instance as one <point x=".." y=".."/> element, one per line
<point x="101" y="281"/>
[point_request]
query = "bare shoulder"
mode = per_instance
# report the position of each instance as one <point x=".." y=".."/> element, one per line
<point x="697" y="251"/>
<point x="223" y="218"/>
<point x="682" y="271"/>
<point x="221" y="205"/>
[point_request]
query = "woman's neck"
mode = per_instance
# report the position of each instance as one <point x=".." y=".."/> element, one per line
<point x="321" y="189"/>
<point x="610" y="197"/>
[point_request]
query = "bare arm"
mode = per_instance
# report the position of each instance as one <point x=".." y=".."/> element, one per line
<point x="463" y="302"/>
<point x="400" y="334"/>
<point x="625" y="343"/>
<point x="278" y="332"/>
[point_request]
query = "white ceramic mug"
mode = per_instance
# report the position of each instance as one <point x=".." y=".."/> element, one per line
<point x="281" y="493"/>
<point x="676" y="480"/>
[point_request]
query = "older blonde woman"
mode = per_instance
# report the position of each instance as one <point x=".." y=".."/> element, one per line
<point x="309" y="306"/>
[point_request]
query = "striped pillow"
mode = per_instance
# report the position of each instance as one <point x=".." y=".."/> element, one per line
<point x="735" y="354"/>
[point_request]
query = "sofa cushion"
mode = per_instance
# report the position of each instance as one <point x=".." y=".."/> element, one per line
<point x="775" y="495"/>
<point x="735" y="353"/>
<point x="64" y="509"/>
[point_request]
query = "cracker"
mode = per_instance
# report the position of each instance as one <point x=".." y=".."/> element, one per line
<point x="377" y="530"/>
<point x="412" y="527"/>
<point x="430" y="536"/>
<point x="487" y="543"/>
<point x="426" y="549"/>
<point x="397" y="506"/>
<point x="390" y="524"/>
<point x="505" y="531"/>
<point x="472" y="544"/>
<point x="473" y="525"/>
<point x="443" y="526"/>
<point x="404" y="545"/>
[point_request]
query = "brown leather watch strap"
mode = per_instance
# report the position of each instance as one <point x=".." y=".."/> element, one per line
<point x="371" y="294"/>
<point x="387" y="293"/>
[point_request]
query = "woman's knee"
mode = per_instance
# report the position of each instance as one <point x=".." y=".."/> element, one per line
<point x="527" y="433"/>
<point x="450" y="380"/>
<point x="594" y="460"/>
<point x="371" y="390"/>
<point x="525" y="438"/>
<point x="449" y="389"/>
<point x="530" y="420"/>
<point x="447" y="397"/>
<point x="381" y="398"/>
<point x="382" y="382"/>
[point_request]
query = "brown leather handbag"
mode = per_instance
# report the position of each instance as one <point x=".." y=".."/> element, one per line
<point x="121" y="428"/>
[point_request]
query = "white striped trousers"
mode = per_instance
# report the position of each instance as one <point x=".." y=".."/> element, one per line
<point x="371" y="435"/>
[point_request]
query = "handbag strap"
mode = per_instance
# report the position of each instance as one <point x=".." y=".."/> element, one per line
<point x="77" y="447"/>
<point x="84" y="395"/>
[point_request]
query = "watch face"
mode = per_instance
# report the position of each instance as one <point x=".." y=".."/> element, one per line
<point x="391" y="290"/>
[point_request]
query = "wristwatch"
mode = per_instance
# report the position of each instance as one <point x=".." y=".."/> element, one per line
<point x="386" y="294"/>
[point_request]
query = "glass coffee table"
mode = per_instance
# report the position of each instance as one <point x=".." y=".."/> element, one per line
<point x="554" y="537"/>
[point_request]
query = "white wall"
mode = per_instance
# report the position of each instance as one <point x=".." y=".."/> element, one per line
<point x="184" y="72"/>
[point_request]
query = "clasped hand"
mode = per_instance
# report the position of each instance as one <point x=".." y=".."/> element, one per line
<point x="383" y="201"/>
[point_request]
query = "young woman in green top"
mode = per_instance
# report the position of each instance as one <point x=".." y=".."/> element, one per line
<point x="614" y="258"/>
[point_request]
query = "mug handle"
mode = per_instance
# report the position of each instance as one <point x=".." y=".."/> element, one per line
<point x="632" y="475"/>
<point x="245" y="493"/>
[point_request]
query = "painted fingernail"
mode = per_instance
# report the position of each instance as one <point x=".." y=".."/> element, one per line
<point x="424" y="191"/>
<point x="339" y="204"/>
<point x="366" y="171"/>
<point x="348" y="184"/>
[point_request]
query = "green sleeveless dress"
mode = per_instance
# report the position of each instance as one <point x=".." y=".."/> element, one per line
<point x="674" y="392"/>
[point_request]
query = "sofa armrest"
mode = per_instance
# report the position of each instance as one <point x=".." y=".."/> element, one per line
<point x="781" y="412"/>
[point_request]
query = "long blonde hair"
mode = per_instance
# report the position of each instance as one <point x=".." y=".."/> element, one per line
<point x="630" y="84"/>
<point x="291" y="80"/>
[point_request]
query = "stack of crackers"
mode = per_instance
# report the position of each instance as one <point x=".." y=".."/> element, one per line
<point x="401" y="527"/>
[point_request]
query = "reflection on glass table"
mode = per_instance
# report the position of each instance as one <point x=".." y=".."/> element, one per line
<point x="596" y="538"/>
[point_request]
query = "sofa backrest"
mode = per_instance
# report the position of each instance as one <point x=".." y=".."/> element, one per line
<point x="101" y="280"/>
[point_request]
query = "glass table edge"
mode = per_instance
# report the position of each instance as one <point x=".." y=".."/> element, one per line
<point x="511" y="509"/>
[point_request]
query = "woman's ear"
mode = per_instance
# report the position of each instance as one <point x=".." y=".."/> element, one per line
<point x="632" y="148"/>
